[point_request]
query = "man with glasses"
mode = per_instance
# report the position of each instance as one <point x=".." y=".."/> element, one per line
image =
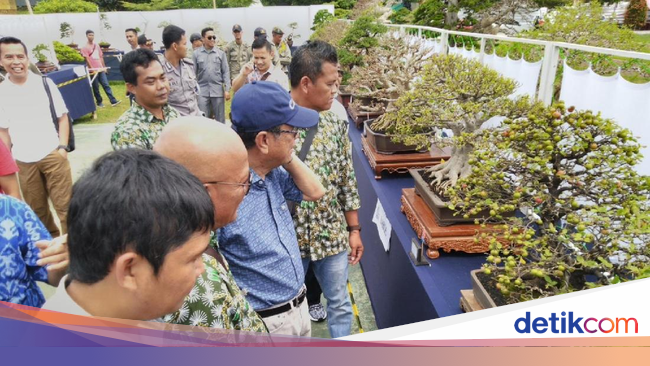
<point x="216" y="156"/>
<point x="261" y="244"/>
<point x="211" y="68"/>
<point x="238" y="52"/>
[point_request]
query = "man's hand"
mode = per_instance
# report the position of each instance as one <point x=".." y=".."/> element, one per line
<point x="53" y="254"/>
<point x="226" y="95"/>
<point x="356" y="247"/>
<point x="247" y="69"/>
<point x="63" y="153"/>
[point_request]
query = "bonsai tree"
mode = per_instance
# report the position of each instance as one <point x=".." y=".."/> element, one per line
<point x="38" y="52"/>
<point x="105" y="26"/>
<point x="457" y="94"/>
<point x="390" y="71"/>
<point x="67" y="54"/>
<point x="67" y="31"/>
<point x="584" y="218"/>
<point x="358" y="40"/>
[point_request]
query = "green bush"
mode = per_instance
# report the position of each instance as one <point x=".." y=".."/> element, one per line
<point x="402" y="16"/>
<point x="431" y="13"/>
<point x="636" y="14"/>
<point x="66" y="54"/>
<point x="344" y="4"/>
<point x="322" y="16"/>
<point x="64" y="6"/>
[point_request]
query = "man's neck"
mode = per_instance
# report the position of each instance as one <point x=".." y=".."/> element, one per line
<point x="134" y="47"/>
<point x="256" y="162"/>
<point x="302" y="100"/>
<point x="238" y="41"/>
<point x="98" y="300"/>
<point x="90" y="43"/>
<point x="18" y="80"/>
<point x="173" y="58"/>
<point x="208" y="48"/>
<point x="156" y="111"/>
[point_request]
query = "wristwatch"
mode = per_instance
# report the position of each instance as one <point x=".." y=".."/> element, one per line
<point x="64" y="147"/>
<point x="353" y="228"/>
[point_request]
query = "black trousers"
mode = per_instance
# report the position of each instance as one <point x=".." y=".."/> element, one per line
<point x="314" y="291"/>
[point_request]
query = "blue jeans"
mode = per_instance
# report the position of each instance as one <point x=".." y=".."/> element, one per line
<point x="332" y="274"/>
<point x="103" y="79"/>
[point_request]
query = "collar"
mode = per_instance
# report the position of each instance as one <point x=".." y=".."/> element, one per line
<point x="269" y="71"/>
<point x="148" y="116"/>
<point x="214" y="49"/>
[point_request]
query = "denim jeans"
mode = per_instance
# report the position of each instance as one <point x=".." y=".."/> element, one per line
<point x="332" y="274"/>
<point x="103" y="79"/>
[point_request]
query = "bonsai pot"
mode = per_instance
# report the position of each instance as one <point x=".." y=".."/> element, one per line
<point x="73" y="45"/>
<point x="383" y="144"/>
<point x="104" y="46"/>
<point x="481" y="295"/>
<point x="346" y="95"/>
<point x="45" y="66"/>
<point x="444" y="215"/>
<point x="359" y="116"/>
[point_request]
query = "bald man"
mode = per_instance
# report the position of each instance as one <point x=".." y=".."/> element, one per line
<point x="216" y="155"/>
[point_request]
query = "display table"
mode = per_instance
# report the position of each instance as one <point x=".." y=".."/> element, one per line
<point x="400" y="292"/>
<point x="112" y="60"/>
<point x="75" y="89"/>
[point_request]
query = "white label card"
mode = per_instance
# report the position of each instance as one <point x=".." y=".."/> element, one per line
<point x="383" y="225"/>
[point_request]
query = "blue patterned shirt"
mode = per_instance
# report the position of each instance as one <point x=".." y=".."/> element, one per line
<point x="20" y="229"/>
<point x="261" y="245"/>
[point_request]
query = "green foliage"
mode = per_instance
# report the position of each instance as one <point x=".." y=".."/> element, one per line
<point x="571" y="173"/>
<point x="66" y="30"/>
<point x="342" y="13"/>
<point x="344" y="4"/>
<point x="66" y="54"/>
<point x="64" y="6"/>
<point x="431" y="13"/>
<point x="636" y="14"/>
<point x="362" y="35"/>
<point x="109" y="5"/>
<point x="293" y="2"/>
<point x="153" y="5"/>
<point x="38" y="52"/>
<point x="331" y="32"/>
<point x="402" y="16"/>
<point x="322" y="16"/>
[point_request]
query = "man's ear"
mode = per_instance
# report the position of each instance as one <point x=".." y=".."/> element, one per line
<point x="130" y="88"/>
<point x="305" y="81"/>
<point x="262" y="141"/>
<point x="127" y="267"/>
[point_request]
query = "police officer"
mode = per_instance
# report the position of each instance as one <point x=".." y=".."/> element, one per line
<point x="283" y="50"/>
<point x="180" y="72"/>
<point x="261" y="32"/>
<point x="213" y="74"/>
<point x="238" y="52"/>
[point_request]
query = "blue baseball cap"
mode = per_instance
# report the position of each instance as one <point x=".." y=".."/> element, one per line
<point x="262" y="105"/>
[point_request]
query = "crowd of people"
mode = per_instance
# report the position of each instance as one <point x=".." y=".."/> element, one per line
<point x="188" y="221"/>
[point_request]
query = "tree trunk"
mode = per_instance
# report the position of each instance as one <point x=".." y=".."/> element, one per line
<point x="448" y="173"/>
<point x="451" y="17"/>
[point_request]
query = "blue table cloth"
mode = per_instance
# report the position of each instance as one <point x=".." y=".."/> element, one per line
<point x="112" y="60"/>
<point x="78" y="95"/>
<point x="400" y="292"/>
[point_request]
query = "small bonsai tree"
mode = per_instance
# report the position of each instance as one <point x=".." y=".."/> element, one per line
<point x="67" y="31"/>
<point x="38" y="52"/>
<point x="67" y="54"/>
<point x="584" y="219"/>
<point x="390" y="70"/>
<point x="358" y="40"/>
<point x="105" y="26"/>
<point x="454" y="93"/>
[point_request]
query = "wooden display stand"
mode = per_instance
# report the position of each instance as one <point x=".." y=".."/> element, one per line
<point x="458" y="237"/>
<point x="399" y="162"/>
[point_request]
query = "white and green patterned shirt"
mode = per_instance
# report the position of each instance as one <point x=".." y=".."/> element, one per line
<point x="138" y="128"/>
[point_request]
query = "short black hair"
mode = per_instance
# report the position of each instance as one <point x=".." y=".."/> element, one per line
<point x="308" y="61"/>
<point x="260" y="43"/>
<point x="248" y="138"/>
<point x="12" y="40"/>
<point x="140" y="57"/>
<point x="172" y="34"/>
<point x="89" y="31"/>
<point x="131" y="30"/>
<point x="142" y="40"/>
<point x="135" y="200"/>
<point x="206" y="30"/>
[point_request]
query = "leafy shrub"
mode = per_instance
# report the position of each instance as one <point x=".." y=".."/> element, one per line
<point x="64" y="6"/>
<point x="66" y="54"/>
<point x="322" y="16"/>
<point x="402" y="16"/>
<point x="431" y="13"/>
<point x="636" y="14"/>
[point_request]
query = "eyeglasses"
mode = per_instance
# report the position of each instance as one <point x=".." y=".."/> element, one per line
<point x="212" y="38"/>
<point x="294" y="132"/>
<point x="247" y="184"/>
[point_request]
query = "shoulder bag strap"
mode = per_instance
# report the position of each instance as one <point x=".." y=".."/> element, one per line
<point x="52" y="111"/>
<point x="302" y="155"/>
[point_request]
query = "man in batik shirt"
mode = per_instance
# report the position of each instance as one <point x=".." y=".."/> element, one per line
<point x="325" y="228"/>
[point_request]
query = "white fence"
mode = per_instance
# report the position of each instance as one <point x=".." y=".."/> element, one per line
<point x="44" y="28"/>
<point x="615" y="98"/>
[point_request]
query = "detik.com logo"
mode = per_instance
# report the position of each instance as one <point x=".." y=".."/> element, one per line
<point x="573" y="324"/>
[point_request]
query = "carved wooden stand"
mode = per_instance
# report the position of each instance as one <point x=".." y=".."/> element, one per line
<point x="456" y="237"/>
<point x="399" y="162"/>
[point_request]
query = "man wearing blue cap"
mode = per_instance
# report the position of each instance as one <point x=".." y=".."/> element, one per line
<point x="261" y="245"/>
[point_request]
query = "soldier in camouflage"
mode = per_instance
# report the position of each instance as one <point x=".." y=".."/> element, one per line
<point x="238" y="52"/>
<point x="283" y="50"/>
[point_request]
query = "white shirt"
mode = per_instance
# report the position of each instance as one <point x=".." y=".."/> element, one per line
<point x="62" y="302"/>
<point x="339" y="110"/>
<point x="276" y="75"/>
<point x="26" y="113"/>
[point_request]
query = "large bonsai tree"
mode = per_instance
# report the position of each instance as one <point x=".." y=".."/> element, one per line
<point x="389" y="71"/>
<point x="584" y="210"/>
<point x="457" y="94"/>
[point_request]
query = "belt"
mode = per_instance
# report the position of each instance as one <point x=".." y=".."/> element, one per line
<point x="293" y="303"/>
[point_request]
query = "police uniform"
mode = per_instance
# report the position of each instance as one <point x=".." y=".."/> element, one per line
<point x="213" y="75"/>
<point x="184" y="88"/>
<point x="238" y="55"/>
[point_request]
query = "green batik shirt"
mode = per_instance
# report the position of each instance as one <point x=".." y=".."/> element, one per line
<point x="138" y="128"/>
<point x="217" y="302"/>
<point x="321" y="225"/>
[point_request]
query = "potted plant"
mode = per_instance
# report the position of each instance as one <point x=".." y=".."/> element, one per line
<point x="67" y="31"/>
<point x="585" y="212"/>
<point x="43" y="64"/>
<point x="359" y="39"/>
<point x="459" y="95"/>
<point x="67" y="55"/>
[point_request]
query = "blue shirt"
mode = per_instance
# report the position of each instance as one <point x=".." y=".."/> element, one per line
<point x="261" y="245"/>
<point x="20" y="229"/>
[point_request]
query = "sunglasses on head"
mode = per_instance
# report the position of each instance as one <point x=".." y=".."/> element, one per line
<point x="212" y="38"/>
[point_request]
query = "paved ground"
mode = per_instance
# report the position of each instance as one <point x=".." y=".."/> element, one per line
<point x="93" y="140"/>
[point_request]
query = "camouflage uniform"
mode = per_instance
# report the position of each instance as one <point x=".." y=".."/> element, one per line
<point x="284" y="54"/>
<point x="237" y="55"/>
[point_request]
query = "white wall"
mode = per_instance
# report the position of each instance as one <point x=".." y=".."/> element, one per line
<point x="35" y="29"/>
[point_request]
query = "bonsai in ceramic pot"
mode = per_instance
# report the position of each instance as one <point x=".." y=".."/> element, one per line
<point x="44" y="65"/>
<point x="585" y="218"/>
